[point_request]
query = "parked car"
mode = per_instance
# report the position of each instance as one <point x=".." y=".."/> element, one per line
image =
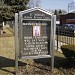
<point x="72" y="27"/>
<point x="69" y="26"/>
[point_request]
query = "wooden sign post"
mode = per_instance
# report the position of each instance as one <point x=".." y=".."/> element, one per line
<point x="37" y="32"/>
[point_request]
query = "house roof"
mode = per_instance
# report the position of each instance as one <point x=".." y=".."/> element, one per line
<point x="36" y="8"/>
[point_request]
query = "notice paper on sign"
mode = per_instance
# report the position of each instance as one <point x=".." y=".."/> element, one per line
<point x="36" y="31"/>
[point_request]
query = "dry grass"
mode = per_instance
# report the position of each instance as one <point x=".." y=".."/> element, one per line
<point x="8" y="30"/>
<point x="7" y="47"/>
<point x="7" y="55"/>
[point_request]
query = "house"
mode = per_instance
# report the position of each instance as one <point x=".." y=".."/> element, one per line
<point x="67" y="19"/>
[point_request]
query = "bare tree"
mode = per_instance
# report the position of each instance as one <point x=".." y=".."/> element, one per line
<point x="34" y="3"/>
<point x="37" y="3"/>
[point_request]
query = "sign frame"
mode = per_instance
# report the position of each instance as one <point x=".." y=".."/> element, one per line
<point x="21" y="32"/>
<point x="18" y="49"/>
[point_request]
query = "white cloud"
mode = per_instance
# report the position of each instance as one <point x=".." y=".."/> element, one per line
<point x="74" y="0"/>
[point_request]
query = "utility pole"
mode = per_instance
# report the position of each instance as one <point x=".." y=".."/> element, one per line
<point x="68" y="8"/>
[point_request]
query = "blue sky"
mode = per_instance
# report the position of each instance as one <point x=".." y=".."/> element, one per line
<point x="55" y="4"/>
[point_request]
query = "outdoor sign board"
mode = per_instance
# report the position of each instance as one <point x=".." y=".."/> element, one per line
<point x="35" y="33"/>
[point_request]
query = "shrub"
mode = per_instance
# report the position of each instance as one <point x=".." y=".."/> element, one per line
<point x="68" y="51"/>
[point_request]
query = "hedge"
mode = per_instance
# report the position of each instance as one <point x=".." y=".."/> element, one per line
<point x="68" y="51"/>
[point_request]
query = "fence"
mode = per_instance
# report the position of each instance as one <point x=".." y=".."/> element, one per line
<point x="64" y="36"/>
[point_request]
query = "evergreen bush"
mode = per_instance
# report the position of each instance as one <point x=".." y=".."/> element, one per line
<point x="68" y="51"/>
